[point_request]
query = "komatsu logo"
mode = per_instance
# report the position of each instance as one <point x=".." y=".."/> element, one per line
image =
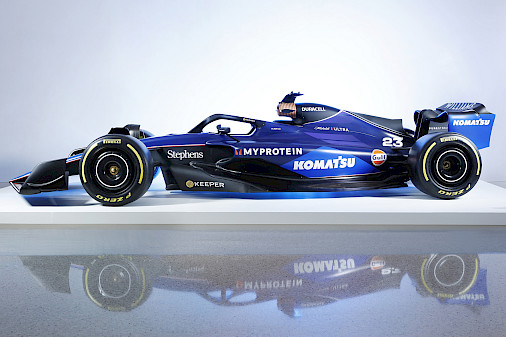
<point x="313" y="108"/>
<point x="323" y="266"/>
<point x="171" y="154"/>
<point x="269" y="151"/>
<point x="461" y="122"/>
<point x="339" y="162"/>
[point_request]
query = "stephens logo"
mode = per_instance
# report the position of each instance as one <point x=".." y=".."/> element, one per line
<point x="378" y="157"/>
<point x="269" y="151"/>
<point x="208" y="184"/>
<point x="171" y="154"/>
<point x="466" y="122"/>
<point x="340" y="162"/>
<point x="313" y="108"/>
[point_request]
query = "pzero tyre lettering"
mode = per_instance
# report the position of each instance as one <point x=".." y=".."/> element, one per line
<point x="444" y="165"/>
<point x="116" y="169"/>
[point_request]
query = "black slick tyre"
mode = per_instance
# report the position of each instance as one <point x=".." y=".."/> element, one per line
<point x="116" y="283"/>
<point x="444" y="165"/>
<point x="449" y="275"/>
<point x="116" y="169"/>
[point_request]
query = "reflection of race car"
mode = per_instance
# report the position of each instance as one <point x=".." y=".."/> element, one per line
<point x="121" y="283"/>
<point x="319" y="149"/>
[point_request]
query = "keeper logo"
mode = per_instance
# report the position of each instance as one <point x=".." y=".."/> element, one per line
<point x="206" y="184"/>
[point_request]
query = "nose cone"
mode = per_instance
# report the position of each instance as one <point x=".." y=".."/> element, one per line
<point x="45" y="177"/>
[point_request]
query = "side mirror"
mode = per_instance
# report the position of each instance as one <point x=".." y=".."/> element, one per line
<point x="223" y="130"/>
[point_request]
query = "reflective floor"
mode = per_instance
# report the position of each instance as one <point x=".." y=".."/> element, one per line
<point x="254" y="281"/>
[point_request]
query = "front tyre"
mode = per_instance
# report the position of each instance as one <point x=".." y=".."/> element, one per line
<point x="116" y="283"/>
<point x="444" y="165"/>
<point x="116" y="169"/>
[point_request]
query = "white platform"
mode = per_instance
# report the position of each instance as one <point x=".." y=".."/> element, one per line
<point x="484" y="205"/>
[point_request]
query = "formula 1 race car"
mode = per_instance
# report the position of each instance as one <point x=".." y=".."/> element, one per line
<point x="123" y="283"/>
<point x="318" y="148"/>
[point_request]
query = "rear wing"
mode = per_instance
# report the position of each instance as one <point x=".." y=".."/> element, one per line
<point x="463" y="108"/>
<point x="469" y="119"/>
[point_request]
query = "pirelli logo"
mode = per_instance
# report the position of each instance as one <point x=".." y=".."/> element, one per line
<point x="111" y="141"/>
<point x="448" y="139"/>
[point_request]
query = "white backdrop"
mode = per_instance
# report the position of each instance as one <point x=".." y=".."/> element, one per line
<point x="70" y="70"/>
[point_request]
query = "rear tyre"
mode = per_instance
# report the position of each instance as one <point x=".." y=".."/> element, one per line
<point x="449" y="275"/>
<point x="444" y="165"/>
<point x="116" y="169"/>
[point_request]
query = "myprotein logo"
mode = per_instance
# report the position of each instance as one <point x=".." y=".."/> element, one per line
<point x="206" y="184"/>
<point x="269" y="151"/>
<point x="181" y="155"/>
<point x="462" y="122"/>
<point x="313" y="108"/>
<point x="338" y="163"/>
<point x="268" y="284"/>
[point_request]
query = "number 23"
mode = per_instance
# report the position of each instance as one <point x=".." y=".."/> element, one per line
<point x="392" y="141"/>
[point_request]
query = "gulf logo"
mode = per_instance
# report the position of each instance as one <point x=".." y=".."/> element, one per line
<point x="377" y="263"/>
<point x="378" y="157"/>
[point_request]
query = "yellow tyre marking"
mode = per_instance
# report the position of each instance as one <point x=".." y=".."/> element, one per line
<point x="88" y="290"/>
<point x="423" y="278"/>
<point x="473" y="280"/>
<point x="143" y="289"/>
<point x="140" y="161"/>
<point x="425" y="161"/>
<point x="477" y="159"/>
<point x="84" y="160"/>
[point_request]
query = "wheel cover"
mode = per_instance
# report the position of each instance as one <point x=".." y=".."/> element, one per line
<point x="113" y="171"/>
<point x="450" y="167"/>
<point x="449" y="270"/>
<point x="114" y="281"/>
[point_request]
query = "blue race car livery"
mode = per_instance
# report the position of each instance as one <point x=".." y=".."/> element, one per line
<point x="123" y="283"/>
<point x="315" y="148"/>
